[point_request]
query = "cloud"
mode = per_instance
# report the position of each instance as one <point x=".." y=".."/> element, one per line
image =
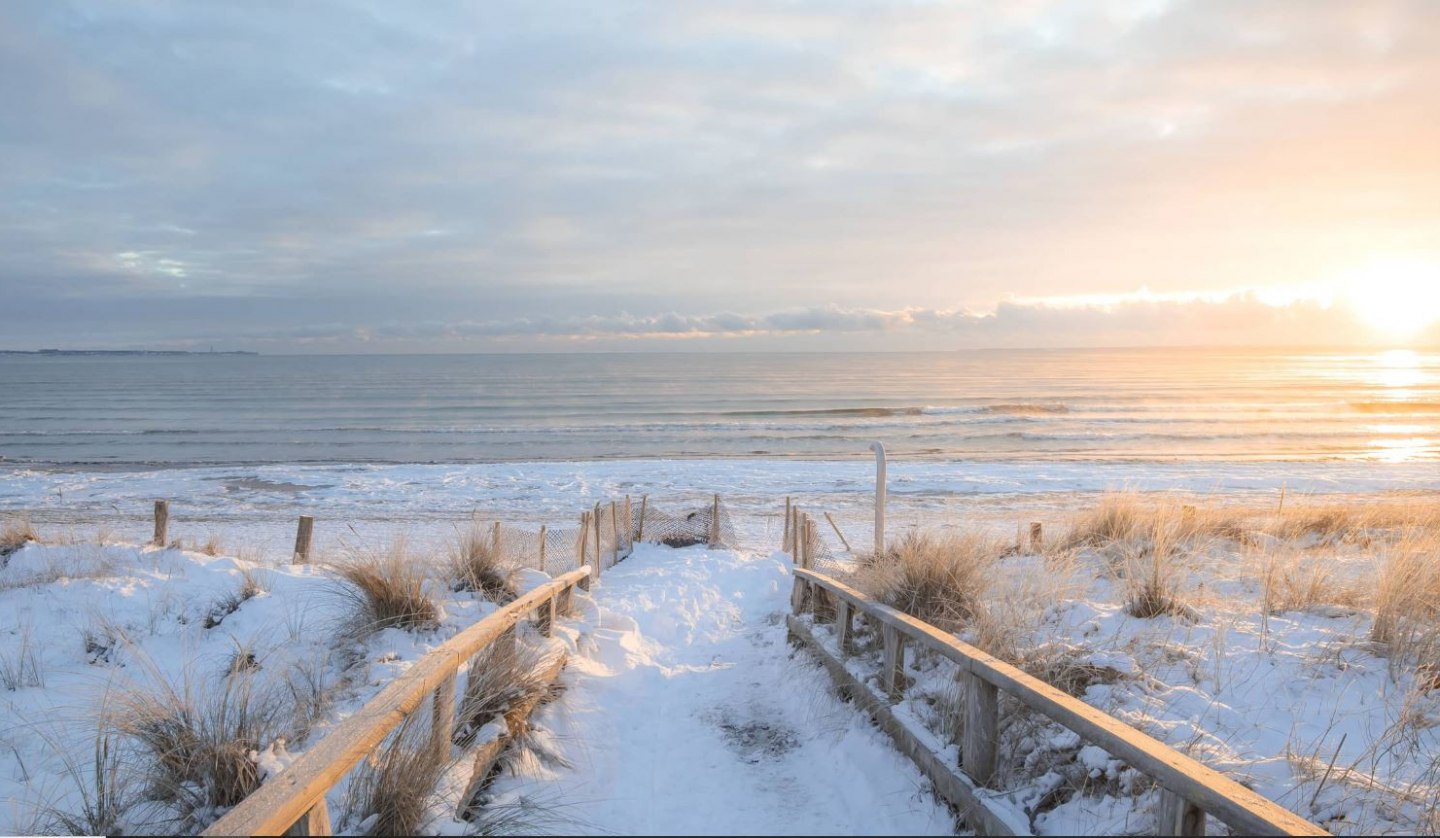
<point x="856" y="168"/>
<point x="1239" y="319"/>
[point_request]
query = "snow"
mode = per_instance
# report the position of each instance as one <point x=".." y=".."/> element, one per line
<point x="687" y="712"/>
<point x="97" y="621"/>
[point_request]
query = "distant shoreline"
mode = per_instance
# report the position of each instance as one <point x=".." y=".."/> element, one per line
<point x="118" y="352"/>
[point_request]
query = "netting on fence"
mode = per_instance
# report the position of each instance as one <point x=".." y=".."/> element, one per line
<point x="708" y="524"/>
<point x="607" y="533"/>
<point x="826" y="551"/>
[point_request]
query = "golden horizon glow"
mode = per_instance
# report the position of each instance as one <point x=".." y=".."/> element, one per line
<point x="1397" y="298"/>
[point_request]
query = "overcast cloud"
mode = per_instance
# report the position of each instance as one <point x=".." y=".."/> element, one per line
<point x="445" y="176"/>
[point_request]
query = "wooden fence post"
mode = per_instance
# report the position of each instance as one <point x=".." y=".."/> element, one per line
<point x="599" y="565"/>
<point x="315" y="822"/>
<point x="629" y="528"/>
<point x="981" y="730"/>
<point x="714" y="522"/>
<point x="1177" y="816"/>
<point x="615" y="527"/>
<point x="495" y="540"/>
<point x="892" y="671"/>
<point x="785" y="536"/>
<point x="640" y="528"/>
<point x="845" y="625"/>
<point x="582" y="549"/>
<point x="162" y="523"/>
<point x="442" y="718"/>
<point x="542" y="548"/>
<point x="1037" y="536"/>
<point x="303" y="534"/>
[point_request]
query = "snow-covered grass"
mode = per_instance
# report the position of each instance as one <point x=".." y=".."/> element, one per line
<point x="147" y="689"/>
<point x="1297" y="649"/>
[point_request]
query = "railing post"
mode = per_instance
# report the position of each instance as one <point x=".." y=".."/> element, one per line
<point x="304" y="532"/>
<point x="981" y="730"/>
<point x="892" y="671"/>
<point x="162" y="523"/>
<point x="315" y="822"/>
<point x="442" y="718"/>
<point x="542" y="548"/>
<point x="545" y="617"/>
<point x="845" y="625"/>
<point x="1177" y="816"/>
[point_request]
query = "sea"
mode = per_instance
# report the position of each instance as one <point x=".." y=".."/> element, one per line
<point x="239" y="441"/>
<point x="1050" y="405"/>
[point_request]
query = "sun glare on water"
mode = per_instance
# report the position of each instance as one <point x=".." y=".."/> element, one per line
<point x="1397" y="298"/>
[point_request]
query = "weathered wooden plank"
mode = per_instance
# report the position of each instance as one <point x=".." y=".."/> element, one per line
<point x="286" y="798"/>
<point x="1243" y="809"/>
<point x="982" y="815"/>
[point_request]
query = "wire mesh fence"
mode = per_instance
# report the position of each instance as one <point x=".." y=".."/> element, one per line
<point x="607" y="532"/>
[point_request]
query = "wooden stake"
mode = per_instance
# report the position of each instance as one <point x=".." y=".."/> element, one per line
<point x="836" y="527"/>
<point x="715" y="522"/>
<point x="162" y="522"/>
<point x="495" y="539"/>
<point x="303" y="534"/>
<point x="1037" y="536"/>
<point x="640" y="529"/>
<point x="542" y="548"/>
<point x="629" y="528"/>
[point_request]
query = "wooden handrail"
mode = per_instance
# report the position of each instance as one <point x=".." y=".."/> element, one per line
<point x="1246" y="811"/>
<point x="286" y="799"/>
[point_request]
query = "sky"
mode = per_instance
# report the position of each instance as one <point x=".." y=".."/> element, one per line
<point x="344" y="176"/>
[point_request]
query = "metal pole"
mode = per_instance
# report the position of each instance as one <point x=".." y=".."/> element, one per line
<point x="879" y="450"/>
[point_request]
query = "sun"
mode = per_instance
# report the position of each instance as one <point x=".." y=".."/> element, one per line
<point x="1397" y="298"/>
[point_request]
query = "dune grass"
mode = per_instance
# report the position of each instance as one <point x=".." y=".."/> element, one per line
<point x="476" y="565"/>
<point x="199" y="735"/>
<point x="939" y="578"/>
<point x="387" y="590"/>
<point x="15" y="532"/>
<point x="392" y="791"/>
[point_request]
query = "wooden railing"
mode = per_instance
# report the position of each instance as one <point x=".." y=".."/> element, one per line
<point x="294" y="801"/>
<point x="1191" y="789"/>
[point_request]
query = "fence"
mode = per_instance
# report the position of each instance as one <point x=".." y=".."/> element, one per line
<point x="1191" y="789"/>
